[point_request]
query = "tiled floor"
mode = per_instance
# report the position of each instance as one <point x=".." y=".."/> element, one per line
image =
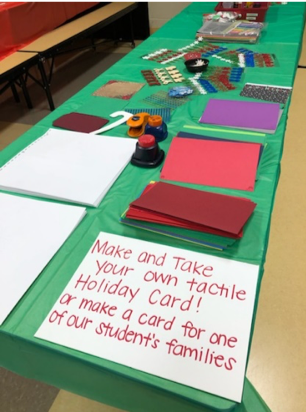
<point x="11" y="131"/>
<point x="67" y="402"/>
<point x="278" y="355"/>
<point x="18" y="394"/>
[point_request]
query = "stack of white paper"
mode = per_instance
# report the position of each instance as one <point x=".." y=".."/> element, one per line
<point x="69" y="166"/>
<point x="31" y="233"/>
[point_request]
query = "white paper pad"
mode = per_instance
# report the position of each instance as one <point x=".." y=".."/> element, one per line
<point x="69" y="166"/>
<point x="31" y="232"/>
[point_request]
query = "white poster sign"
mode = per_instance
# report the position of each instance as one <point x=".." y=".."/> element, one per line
<point x="180" y="315"/>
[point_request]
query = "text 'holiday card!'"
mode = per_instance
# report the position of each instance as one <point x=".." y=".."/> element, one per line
<point x="160" y="310"/>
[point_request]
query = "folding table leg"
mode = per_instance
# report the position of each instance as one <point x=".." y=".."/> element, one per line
<point x="25" y="92"/>
<point x="15" y="93"/>
<point x="46" y="85"/>
<point x="132" y="31"/>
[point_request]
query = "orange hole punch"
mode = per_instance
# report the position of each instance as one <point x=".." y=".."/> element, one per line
<point x="137" y="124"/>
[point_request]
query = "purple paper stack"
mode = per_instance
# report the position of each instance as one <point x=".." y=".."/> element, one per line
<point x="256" y="116"/>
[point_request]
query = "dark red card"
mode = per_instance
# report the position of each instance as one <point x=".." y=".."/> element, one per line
<point x="159" y="218"/>
<point x="222" y="212"/>
<point x="79" y="122"/>
<point x="162" y="219"/>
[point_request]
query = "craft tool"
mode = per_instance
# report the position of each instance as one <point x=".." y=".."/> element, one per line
<point x="156" y="127"/>
<point x="137" y="124"/>
<point x="147" y="153"/>
<point x="124" y="117"/>
<point x="165" y="113"/>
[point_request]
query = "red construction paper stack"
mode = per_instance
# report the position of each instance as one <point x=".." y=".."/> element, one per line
<point x="196" y="210"/>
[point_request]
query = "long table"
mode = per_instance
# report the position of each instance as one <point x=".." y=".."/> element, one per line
<point x="96" y="378"/>
<point x="19" y="30"/>
<point x="23" y="22"/>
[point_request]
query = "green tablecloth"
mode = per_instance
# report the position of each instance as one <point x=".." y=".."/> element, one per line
<point x="96" y="378"/>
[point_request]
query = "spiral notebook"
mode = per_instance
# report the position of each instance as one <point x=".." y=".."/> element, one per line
<point x="68" y="166"/>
